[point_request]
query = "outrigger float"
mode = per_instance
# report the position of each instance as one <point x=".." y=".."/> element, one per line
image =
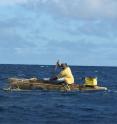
<point x="34" y="83"/>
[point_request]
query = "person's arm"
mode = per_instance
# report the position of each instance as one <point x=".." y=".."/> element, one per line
<point x="61" y="74"/>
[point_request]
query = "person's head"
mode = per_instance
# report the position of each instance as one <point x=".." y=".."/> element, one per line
<point x="63" y="65"/>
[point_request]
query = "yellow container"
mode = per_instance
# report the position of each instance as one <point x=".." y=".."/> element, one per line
<point x="90" y="81"/>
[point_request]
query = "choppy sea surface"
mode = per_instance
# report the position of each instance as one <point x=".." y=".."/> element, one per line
<point x="54" y="107"/>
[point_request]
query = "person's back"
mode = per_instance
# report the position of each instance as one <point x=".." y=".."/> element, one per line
<point x="66" y="74"/>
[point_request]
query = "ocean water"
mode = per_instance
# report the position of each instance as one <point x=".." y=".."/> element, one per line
<point x="54" y="107"/>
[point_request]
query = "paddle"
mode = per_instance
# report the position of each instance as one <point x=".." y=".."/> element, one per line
<point x="55" y="68"/>
<point x="53" y="72"/>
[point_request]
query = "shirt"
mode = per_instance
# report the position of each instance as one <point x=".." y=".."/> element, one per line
<point x="67" y="75"/>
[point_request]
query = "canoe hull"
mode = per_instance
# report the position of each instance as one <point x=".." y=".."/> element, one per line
<point x="33" y="83"/>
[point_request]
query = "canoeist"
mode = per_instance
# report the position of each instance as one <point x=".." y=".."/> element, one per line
<point x="65" y="76"/>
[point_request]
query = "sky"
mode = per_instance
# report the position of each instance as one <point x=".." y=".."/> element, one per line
<point x="78" y="32"/>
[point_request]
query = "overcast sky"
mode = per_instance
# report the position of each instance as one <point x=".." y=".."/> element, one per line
<point x="79" y="32"/>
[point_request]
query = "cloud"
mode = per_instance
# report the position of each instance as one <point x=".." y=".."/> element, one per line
<point x="33" y="30"/>
<point x="77" y="9"/>
<point x="12" y="2"/>
<point x="80" y="9"/>
<point x="11" y="36"/>
<point x="31" y="34"/>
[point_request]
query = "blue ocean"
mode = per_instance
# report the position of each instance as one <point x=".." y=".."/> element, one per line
<point x="55" y="107"/>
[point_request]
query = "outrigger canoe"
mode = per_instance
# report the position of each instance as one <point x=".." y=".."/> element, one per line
<point x="34" y="83"/>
